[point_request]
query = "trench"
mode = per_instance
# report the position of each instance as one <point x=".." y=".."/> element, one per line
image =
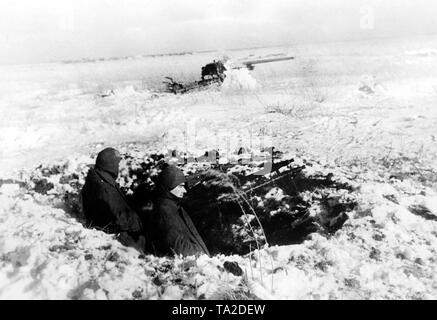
<point x="235" y="219"/>
<point x="234" y="212"/>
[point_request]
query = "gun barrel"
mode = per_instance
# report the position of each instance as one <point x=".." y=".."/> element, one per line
<point x="250" y="63"/>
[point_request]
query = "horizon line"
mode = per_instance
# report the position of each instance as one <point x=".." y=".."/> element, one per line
<point x="188" y="52"/>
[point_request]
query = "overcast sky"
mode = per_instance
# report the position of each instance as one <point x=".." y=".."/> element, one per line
<point x="50" y="30"/>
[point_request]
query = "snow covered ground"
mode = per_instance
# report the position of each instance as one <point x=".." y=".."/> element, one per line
<point x="365" y="111"/>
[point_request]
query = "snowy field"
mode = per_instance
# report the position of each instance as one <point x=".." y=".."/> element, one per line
<point x="363" y="111"/>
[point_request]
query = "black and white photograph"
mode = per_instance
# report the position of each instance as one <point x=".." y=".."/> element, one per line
<point x="238" y="151"/>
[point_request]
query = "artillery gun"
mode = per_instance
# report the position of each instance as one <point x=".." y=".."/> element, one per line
<point x="214" y="72"/>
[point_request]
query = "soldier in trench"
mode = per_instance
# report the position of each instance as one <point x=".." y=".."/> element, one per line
<point x="104" y="204"/>
<point x="169" y="227"/>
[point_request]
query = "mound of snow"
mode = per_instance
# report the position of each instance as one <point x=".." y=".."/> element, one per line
<point x="370" y="86"/>
<point x="239" y="80"/>
<point x="125" y="91"/>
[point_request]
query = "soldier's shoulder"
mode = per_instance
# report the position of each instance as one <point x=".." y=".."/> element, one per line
<point x="92" y="176"/>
